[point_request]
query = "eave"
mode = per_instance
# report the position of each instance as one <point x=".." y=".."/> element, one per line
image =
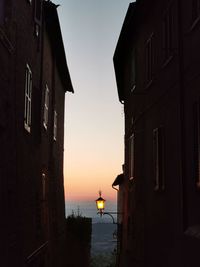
<point x="55" y="36"/>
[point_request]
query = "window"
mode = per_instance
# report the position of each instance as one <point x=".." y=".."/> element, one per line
<point x="131" y="157"/>
<point x="28" y="96"/>
<point x="197" y="143"/>
<point x="2" y="11"/>
<point x="149" y="59"/>
<point x="55" y="126"/>
<point x="195" y="10"/>
<point x="158" y="158"/>
<point x="167" y="35"/>
<point x="46" y="107"/>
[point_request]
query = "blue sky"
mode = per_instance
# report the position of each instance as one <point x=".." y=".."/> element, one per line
<point x="94" y="123"/>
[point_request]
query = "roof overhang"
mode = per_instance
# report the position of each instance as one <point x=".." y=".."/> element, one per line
<point x="55" y="35"/>
<point x="122" y="48"/>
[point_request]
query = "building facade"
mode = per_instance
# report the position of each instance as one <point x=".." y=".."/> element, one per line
<point x="34" y="78"/>
<point x="156" y="64"/>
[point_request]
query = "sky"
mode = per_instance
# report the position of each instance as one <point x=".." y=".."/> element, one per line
<point x="94" y="122"/>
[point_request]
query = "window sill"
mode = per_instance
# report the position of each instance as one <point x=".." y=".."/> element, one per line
<point x="27" y="128"/>
<point x="45" y="126"/>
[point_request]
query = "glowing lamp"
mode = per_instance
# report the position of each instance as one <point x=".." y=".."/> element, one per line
<point x="100" y="202"/>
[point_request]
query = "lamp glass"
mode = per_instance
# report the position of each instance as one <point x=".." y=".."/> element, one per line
<point x="100" y="202"/>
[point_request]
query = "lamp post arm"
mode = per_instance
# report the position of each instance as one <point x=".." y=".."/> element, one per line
<point x="110" y="214"/>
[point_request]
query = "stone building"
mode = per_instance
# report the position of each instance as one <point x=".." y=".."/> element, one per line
<point x="34" y="78"/>
<point x="157" y="72"/>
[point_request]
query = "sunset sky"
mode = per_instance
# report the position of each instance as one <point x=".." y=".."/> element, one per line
<point x="94" y="126"/>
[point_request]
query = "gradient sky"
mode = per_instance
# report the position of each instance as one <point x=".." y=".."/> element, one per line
<point x="94" y="126"/>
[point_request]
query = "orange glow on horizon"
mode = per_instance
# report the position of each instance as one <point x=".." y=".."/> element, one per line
<point x="83" y="183"/>
<point x="77" y="190"/>
<point x="74" y="193"/>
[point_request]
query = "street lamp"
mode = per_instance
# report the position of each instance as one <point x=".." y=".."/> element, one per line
<point x="100" y="202"/>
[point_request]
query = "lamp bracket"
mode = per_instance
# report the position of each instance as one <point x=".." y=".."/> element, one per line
<point x="109" y="214"/>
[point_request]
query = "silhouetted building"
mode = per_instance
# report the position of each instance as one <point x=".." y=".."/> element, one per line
<point x="34" y="78"/>
<point x="78" y="238"/>
<point x="119" y="185"/>
<point x="157" y="71"/>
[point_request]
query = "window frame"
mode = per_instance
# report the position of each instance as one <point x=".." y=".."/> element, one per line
<point x="37" y="16"/>
<point x="131" y="156"/>
<point x="46" y="107"/>
<point x="55" y="125"/>
<point x="149" y="59"/>
<point x="133" y="67"/>
<point x="167" y="35"/>
<point x="28" y="98"/>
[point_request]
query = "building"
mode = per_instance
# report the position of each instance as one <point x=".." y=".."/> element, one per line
<point x="119" y="186"/>
<point x="157" y="72"/>
<point x="34" y="78"/>
<point x="79" y="232"/>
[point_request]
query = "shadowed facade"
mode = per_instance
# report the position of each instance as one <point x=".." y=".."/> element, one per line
<point x="34" y="78"/>
<point x="157" y="72"/>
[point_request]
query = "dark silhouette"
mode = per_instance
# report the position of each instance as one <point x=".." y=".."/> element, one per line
<point x="34" y="78"/>
<point x="157" y="63"/>
<point x="78" y="236"/>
